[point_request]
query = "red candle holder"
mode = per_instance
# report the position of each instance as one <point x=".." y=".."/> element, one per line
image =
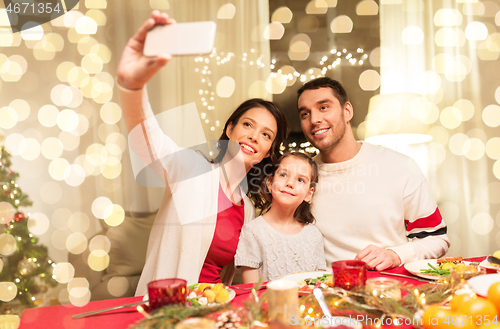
<point x="349" y="273"/>
<point x="166" y="292"/>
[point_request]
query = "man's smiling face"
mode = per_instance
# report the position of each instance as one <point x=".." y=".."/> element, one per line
<point x="323" y="119"/>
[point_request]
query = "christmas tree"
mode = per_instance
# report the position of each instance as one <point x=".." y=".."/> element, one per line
<point x="25" y="269"/>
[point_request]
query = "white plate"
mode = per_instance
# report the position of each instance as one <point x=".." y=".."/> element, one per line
<point x="488" y="265"/>
<point x="337" y="321"/>
<point x="481" y="283"/>
<point x="301" y="276"/>
<point x="415" y="267"/>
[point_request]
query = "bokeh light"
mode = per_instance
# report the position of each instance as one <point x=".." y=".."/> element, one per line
<point x="316" y="7"/>
<point x="74" y="175"/>
<point x="493" y="148"/>
<point x="369" y="80"/>
<point x="482" y="223"/>
<point x="476" y="31"/>
<point x="447" y="17"/>
<point x="30" y="149"/>
<point x="118" y="286"/>
<point x="412" y="35"/>
<point x="76" y="243"/>
<point x="57" y="168"/>
<point x="13" y="142"/>
<point x="448" y="37"/>
<point x="78" y="292"/>
<point x="282" y="15"/>
<point x="457" y="142"/>
<point x="367" y="8"/>
<point x="21" y="107"/>
<point x="496" y="169"/>
<point x="491" y="115"/>
<point x="8" y="291"/>
<point x="63" y="272"/>
<point x="38" y="223"/>
<point x="226" y="11"/>
<point x="450" y="117"/>
<point x="78" y="222"/>
<point x="274" y="31"/>
<point x="99" y="206"/>
<point x="98" y="260"/>
<point x="8" y="117"/>
<point x="474" y="149"/>
<point x="341" y="24"/>
<point x="7" y="244"/>
<point x="7" y="211"/>
<point x="114" y="215"/>
<point x="100" y="242"/>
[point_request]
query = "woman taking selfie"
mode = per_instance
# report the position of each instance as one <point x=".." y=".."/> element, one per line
<point x="203" y="249"/>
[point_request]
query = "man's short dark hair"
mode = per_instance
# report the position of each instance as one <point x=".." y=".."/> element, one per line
<point x="325" y="82"/>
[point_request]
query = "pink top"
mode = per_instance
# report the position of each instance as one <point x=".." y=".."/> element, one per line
<point x="225" y="240"/>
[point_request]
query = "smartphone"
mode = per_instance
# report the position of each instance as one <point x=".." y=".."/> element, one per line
<point x="194" y="38"/>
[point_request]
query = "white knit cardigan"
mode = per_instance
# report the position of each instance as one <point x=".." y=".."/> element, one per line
<point x="175" y="249"/>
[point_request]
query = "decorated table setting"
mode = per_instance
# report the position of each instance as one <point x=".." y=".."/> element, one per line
<point x="353" y="297"/>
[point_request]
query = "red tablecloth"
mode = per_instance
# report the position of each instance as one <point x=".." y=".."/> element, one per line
<point x="59" y="317"/>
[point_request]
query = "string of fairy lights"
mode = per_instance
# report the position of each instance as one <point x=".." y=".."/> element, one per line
<point x="285" y="74"/>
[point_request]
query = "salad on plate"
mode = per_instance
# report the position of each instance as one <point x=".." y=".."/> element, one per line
<point x="208" y="294"/>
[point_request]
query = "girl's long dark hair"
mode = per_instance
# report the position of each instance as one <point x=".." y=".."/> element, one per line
<point x="303" y="212"/>
<point x="259" y="171"/>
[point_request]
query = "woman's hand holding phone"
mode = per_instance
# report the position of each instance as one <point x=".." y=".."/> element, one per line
<point x="135" y="69"/>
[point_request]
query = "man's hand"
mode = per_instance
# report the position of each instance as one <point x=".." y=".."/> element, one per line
<point x="378" y="258"/>
<point x="135" y="69"/>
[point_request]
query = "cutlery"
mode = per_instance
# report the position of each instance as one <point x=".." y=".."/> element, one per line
<point x="408" y="277"/>
<point x="494" y="260"/>
<point x="321" y="300"/>
<point x="81" y="315"/>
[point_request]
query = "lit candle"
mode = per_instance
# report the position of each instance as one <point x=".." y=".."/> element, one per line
<point x="141" y="310"/>
<point x="383" y="287"/>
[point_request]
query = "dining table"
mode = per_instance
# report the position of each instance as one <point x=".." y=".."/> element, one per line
<point x="61" y="316"/>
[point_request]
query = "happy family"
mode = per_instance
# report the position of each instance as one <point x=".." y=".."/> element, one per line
<point x="354" y="200"/>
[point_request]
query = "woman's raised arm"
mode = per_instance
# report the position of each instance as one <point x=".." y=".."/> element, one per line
<point x="135" y="69"/>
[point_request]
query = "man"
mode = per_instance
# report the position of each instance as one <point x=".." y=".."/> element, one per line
<point x="371" y="203"/>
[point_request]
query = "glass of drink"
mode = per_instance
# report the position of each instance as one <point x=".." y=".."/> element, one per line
<point x="166" y="292"/>
<point x="349" y="273"/>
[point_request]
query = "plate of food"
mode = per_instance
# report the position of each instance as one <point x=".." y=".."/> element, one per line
<point x="307" y="281"/>
<point x="209" y="294"/>
<point x="481" y="283"/>
<point x="490" y="266"/>
<point x="435" y="269"/>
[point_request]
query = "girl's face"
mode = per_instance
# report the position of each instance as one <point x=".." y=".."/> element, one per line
<point x="291" y="182"/>
<point x="254" y="132"/>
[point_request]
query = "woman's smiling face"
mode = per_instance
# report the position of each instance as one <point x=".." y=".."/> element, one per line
<point x="254" y="133"/>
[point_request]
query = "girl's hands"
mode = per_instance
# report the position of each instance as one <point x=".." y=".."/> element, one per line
<point x="135" y="69"/>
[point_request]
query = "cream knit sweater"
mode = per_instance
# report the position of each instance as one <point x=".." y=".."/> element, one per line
<point x="379" y="197"/>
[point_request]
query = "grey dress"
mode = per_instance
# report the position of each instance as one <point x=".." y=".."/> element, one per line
<point x="276" y="254"/>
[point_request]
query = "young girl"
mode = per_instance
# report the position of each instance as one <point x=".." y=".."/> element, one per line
<point x="283" y="240"/>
